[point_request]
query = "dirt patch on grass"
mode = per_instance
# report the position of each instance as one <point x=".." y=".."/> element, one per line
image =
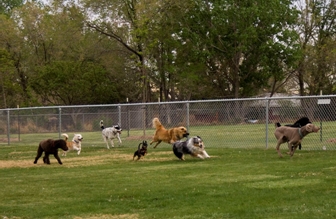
<point x="11" y="139"/>
<point x="16" y="163"/>
<point x="108" y="216"/>
<point x="77" y="161"/>
<point x="139" y="137"/>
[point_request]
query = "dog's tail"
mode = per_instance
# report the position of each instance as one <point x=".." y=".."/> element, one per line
<point x="139" y="147"/>
<point x="156" y="123"/>
<point x="66" y="137"/>
<point x="101" y="124"/>
<point x="277" y="125"/>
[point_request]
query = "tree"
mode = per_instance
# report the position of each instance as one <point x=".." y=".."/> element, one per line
<point x="317" y="30"/>
<point x="244" y="43"/>
<point x="121" y="24"/>
<point x="6" y="6"/>
<point x="64" y="57"/>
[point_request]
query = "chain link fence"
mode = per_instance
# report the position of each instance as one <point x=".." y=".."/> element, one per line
<point x="225" y="123"/>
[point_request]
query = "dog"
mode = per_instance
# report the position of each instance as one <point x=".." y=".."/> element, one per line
<point x="169" y="136"/>
<point x="141" y="152"/>
<point x="50" y="146"/>
<point x="293" y="136"/>
<point x="298" y="124"/>
<point x="193" y="146"/>
<point x="74" y="145"/>
<point x="110" y="133"/>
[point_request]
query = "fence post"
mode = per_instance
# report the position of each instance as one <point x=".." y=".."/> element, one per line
<point x="8" y="128"/>
<point x="59" y="121"/>
<point x="267" y="105"/>
<point x="119" y="115"/>
<point x="188" y="115"/>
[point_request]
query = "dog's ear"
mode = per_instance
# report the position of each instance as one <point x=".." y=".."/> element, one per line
<point x="309" y="127"/>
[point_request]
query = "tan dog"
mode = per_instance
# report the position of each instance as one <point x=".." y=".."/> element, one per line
<point x="293" y="136"/>
<point x="169" y="136"/>
<point x="74" y="145"/>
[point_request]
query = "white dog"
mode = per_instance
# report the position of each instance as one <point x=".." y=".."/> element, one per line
<point x="111" y="133"/>
<point x="74" y="145"/>
<point x="193" y="146"/>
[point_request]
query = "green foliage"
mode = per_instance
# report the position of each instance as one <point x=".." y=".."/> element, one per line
<point x="72" y="83"/>
<point x="247" y="43"/>
<point x="169" y="49"/>
<point x="7" y="6"/>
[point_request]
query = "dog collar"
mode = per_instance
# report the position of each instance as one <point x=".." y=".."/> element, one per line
<point x="76" y="141"/>
<point x="300" y="133"/>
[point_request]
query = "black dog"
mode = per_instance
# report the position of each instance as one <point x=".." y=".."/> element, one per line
<point x="298" y="124"/>
<point x="50" y="147"/>
<point x="141" y="151"/>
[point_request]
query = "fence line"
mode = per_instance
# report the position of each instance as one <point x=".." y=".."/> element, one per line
<point x="225" y="122"/>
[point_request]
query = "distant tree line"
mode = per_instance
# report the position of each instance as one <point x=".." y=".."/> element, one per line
<point x="100" y="52"/>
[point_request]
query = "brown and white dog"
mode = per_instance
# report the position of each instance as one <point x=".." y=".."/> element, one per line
<point x="169" y="136"/>
<point x="74" y="145"/>
<point x="293" y="136"/>
<point x="193" y="146"/>
<point x="50" y="146"/>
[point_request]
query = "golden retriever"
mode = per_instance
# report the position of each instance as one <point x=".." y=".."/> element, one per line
<point x="169" y="136"/>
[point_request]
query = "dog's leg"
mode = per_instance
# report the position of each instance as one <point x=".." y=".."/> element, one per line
<point x="157" y="144"/>
<point x="39" y="154"/>
<point x="278" y="148"/>
<point x="107" y="144"/>
<point x="112" y="143"/>
<point x="293" y="149"/>
<point x="78" y="149"/>
<point x="57" y="158"/>
<point x="106" y="141"/>
<point x="119" y="139"/>
<point x="200" y="156"/>
<point x="206" y="155"/>
<point x="46" y="158"/>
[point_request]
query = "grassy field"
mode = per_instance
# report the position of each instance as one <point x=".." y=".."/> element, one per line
<point x="233" y="183"/>
<point x="102" y="183"/>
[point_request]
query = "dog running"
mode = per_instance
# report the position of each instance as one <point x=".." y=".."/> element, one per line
<point x="169" y="136"/>
<point x="193" y="146"/>
<point x="142" y="151"/>
<point x="298" y="124"/>
<point x="293" y="136"/>
<point x="50" y="146"/>
<point x="110" y="133"/>
<point x="74" y="145"/>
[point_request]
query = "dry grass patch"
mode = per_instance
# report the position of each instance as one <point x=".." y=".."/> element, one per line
<point x="109" y="216"/>
<point x="16" y="163"/>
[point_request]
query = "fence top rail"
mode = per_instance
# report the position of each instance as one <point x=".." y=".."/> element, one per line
<point x="171" y="102"/>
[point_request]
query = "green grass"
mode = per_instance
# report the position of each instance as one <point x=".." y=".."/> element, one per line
<point x="233" y="183"/>
<point x="242" y="179"/>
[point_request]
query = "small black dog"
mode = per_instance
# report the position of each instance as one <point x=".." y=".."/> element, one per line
<point x="298" y="124"/>
<point x="141" y="151"/>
